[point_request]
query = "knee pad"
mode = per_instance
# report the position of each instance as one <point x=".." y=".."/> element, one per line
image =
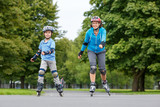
<point x="41" y="72"/>
<point x="54" y="73"/>
<point x="102" y="71"/>
<point x="93" y="69"/>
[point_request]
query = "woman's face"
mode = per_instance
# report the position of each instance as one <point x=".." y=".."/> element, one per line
<point x="95" y="25"/>
<point x="47" y="34"/>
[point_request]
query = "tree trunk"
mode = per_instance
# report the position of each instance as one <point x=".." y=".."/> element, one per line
<point x="126" y="86"/>
<point x="52" y="85"/>
<point x="0" y="83"/>
<point x="11" y="84"/>
<point x="137" y="80"/>
<point x="80" y="85"/>
<point x="159" y="85"/>
<point x="22" y="82"/>
<point x="69" y="85"/>
<point x="142" y="82"/>
<point x="27" y="85"/>
<point x="135" y="83"/>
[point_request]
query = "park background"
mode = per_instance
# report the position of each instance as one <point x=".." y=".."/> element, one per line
<point x="133" y="44"/>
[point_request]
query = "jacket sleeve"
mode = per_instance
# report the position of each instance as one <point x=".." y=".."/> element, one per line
<point x="86" y="41"/>
<point x="103" y="36"/>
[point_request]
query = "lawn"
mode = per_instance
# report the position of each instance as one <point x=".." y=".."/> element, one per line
<point x="17" y="92"/>
<point x="123" y="91"/>
<point x="33" y="92"/>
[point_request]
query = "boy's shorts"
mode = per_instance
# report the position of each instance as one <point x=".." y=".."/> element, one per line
<point x="51" y="64"/>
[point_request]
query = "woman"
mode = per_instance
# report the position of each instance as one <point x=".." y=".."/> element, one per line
<point x="95" y="39"/>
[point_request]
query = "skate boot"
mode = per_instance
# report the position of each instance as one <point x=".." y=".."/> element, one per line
<point x="59" y="88"/>
<point x="39" y="88"/>
<point x="106" y="87"/>
<point x="92" y="88"/>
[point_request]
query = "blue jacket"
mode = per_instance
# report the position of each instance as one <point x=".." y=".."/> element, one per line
<point x="94" y="41"/>
<point x="47" y="46"/>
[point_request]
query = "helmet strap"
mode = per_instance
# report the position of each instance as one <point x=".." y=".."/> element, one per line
<point x="48" y="38"/>
<point x="96" y="29"/>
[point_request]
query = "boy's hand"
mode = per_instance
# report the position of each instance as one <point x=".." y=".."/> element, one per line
<point x="31" y="60"/>
<point x="43" y="53"/>
<point x="101" y="46"/>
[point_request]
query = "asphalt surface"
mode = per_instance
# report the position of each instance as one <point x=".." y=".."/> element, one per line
<point x="79" y="99"/>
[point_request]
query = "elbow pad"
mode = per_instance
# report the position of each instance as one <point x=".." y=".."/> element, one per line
<point x="34" y="57"/>
<point x="49" y="52"/>
<point x="84" y="43"/>
<point x="39" y="52"/>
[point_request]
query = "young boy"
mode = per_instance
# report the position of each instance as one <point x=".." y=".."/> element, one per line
<point x="47" y="52"/>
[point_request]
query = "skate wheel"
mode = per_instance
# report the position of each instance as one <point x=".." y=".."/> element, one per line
<point x="38" y="94"/>
<point x="109" y="94"/>
<point x="61" y="94"/>
<point x="91" y="94"/>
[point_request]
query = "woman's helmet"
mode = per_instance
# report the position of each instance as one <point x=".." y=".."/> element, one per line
<point x="96" y="19"/>
<point x="47" y="28"/>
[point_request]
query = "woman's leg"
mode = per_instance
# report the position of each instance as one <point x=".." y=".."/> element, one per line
<point x="93" y="68"/>
<point x="102" y="69"/>
<point x="101" y="64"/>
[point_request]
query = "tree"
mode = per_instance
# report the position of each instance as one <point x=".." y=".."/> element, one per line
<point x="11" y="44"/>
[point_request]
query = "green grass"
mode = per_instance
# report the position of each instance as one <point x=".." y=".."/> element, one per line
<point x="17" y="92"/>
<point x="122" y="91"/>
<point x="32" y="92"/>
<point x="129" y="91"/>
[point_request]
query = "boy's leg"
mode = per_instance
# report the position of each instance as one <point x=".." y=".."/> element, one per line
<point x="93" y="68"/>
<point x="53" y="68"/>
<point x="41" y="73"/>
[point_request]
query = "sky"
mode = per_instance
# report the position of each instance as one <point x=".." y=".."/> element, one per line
<point x="71" y="16"/>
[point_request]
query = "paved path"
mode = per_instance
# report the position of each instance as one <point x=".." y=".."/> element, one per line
<point x="79" y="99"/>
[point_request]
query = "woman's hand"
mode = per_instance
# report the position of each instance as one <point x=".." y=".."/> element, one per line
<point x="79" y="57"/>
<point x="101" y="46"/>
<point x="80" y="54"/>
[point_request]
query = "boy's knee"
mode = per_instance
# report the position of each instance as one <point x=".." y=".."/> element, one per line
<point x="54" y="73"/>
<point x="41" y="71"/>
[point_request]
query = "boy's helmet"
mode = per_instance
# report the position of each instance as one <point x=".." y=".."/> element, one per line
<point x="47" y="28"/>
<point x="96" y="18"/>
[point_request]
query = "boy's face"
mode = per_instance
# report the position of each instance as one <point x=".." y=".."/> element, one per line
<point x="47" y="34"/>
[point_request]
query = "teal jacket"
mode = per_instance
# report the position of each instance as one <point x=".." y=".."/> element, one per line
<point x="94" y="41"/>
